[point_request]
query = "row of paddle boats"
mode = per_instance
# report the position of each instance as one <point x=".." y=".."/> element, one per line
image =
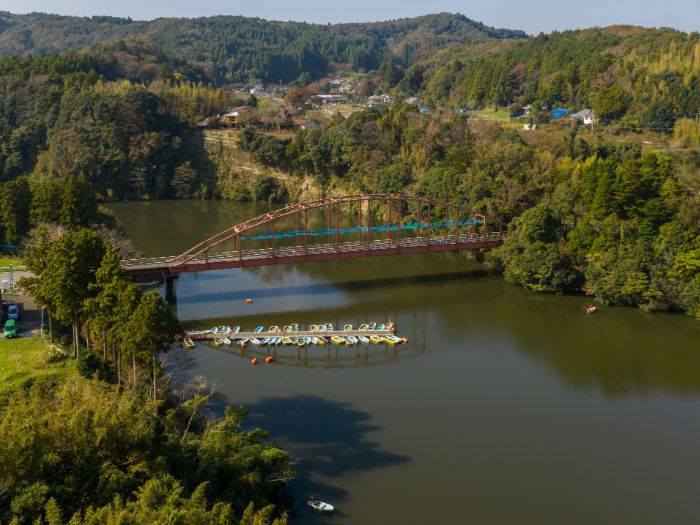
<point x="286" y="336"/>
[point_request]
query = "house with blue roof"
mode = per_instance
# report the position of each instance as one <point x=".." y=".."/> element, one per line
<point x="559" y="113"/>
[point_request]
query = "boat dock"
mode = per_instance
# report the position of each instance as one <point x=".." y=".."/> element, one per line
<point x="300" y="333"/>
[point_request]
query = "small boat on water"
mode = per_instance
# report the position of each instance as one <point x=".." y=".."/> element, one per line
<point x="329" y="327"/>
<point x="364" y="339"/>
<point x="314" y="328"/>
<point x="301" y="341"/>
<point x="590" y="309"/>
<point x="381" y="327"/>
<point x="288" y="328"/>
<point x="275" y="329"/>
<point x="372" y="326"/>
<point x="347" y="327"/>
<point x="321" y="340"/>
<point x="376" y="339"/>
<point x="188" y="343"/>
<point x="236" y="329"/>
<point x="259" y="329"/>
<point x="218" y="341"/>
<point x="320" y="506"/>
<point x="338" y="340"/>
<point x="389" y="326"/>
<point x="391" y="339"/>
<point x="287" y="340"/>
<point x="351" y="340"/>
<point x="226" y="341"/>
<point x="255" y="341"/>
<point x="364" y="326"/>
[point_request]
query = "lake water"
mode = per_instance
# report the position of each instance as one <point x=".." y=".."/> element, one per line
<point x="505" y="407"/>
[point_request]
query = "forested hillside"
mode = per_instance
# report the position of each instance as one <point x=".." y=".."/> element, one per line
<point x="647" y="77"/>
<point x="237" y="48"/>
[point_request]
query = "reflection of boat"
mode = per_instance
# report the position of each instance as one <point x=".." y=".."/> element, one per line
<point x="376" y="339"/>
<point x="320" y="506"/>
<point x="188" y="343"/>
<point x="338" y="340"/>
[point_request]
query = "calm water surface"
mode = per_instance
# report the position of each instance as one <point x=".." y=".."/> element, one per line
<point x="505" y="407"/>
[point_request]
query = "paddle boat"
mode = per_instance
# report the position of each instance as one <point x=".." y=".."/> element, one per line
<point x="364" y="339"/>
<point x="322" y="341"/>
<point x="329" y="327"/>
<point x="274" y="329"/>
<point x="372" y="326"/>
<point x="218" y="341"/>
<point x="265" y="340"/>
<point x="255" y="341"/>
<point x="376" y="339"/>
<point x="381" y="327"/>
<point x="391" y="339"/>
<point x="351" y="340"/>
<point x="338" y="340"/>
<point x="236" y="329"/>
<point x="320" y="506"/>
<point x="301" y="341"/>
<point x="389" y="326"/>
<point x="288" y="328"/>
<point x="364" y="326"/>
<point x="259" y="329"/>
<point x="226" y="341"/>
<point x="314" y="328"/>
<point x="243" y="341"/>
<point x="286" y="340"/>
<point x="590" y="309"/>
<point x="347" y="327"/>
<point x="188" y="343"/>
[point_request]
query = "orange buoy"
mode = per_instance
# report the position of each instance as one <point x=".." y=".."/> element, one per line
<point x="404" y="340"/>
<point x="249" y="300"/>
<point x="254" y="361"/>
<point x="269" y="359"/>
<point x="242" y="345"/>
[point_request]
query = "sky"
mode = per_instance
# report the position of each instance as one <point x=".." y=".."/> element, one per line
<point x="531" y="16"/>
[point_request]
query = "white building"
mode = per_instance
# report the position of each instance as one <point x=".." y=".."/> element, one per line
<point x="586" y="116"/>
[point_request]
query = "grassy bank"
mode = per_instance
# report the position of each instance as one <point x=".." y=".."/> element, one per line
<point x="23" y="361"/>
<point x="7" y="260"/>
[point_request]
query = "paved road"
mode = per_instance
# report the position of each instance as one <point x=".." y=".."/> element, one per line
<point x="16" y="276"/>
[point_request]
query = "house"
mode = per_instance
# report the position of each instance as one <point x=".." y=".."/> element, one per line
<point x="414" y="101"/>
<point x="379" y="100"/>
<point x="330" y="99"/>
<point x="346" y="87"/>
<point x="529" y="127"/>
<point x="586" y="116"/>
<point x="559" y="113"/>
<point x="304" y="123"/>
<point x="232" y="117"/>
<point x="336" y="84"/>
<point x="527" y="110"/>
<point x="257" y="89"/>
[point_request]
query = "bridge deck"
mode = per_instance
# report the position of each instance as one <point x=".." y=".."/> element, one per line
<point x="312" y="252"/>
<point x="300" y="333"/>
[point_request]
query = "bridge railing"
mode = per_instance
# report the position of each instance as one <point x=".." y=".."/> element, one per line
<point x="282" y="252"/>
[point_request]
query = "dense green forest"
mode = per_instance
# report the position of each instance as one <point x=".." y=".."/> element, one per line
<point x="646" y="77"/>
<point x="586" y="215"/>
<point x="116" y="436"/>
<point x="235" y="49"/>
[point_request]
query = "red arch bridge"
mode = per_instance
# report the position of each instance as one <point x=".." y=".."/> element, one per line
<point x="286" y="236"/>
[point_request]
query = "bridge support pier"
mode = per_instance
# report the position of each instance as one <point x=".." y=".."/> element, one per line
<point x="170" y="288"/>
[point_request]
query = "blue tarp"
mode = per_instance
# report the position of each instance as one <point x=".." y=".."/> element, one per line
<point x="559" y="113"/>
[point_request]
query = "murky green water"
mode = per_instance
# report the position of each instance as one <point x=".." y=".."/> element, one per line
<point x="505" y="407"/>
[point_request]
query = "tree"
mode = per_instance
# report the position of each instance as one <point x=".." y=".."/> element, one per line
<point x="78" y="202"/>
<point x="610" y="103"/>
<point x="184" y="179"/>
<point x="15" y="201"/>
<point x="64" y="283"/>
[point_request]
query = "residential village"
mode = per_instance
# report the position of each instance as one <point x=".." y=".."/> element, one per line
<point x="276" y="107"/>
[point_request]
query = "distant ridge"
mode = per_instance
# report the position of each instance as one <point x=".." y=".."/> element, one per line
<point x="238" y="48"/>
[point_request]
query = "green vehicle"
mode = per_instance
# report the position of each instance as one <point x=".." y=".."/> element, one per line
<point x="10" y="329"/>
